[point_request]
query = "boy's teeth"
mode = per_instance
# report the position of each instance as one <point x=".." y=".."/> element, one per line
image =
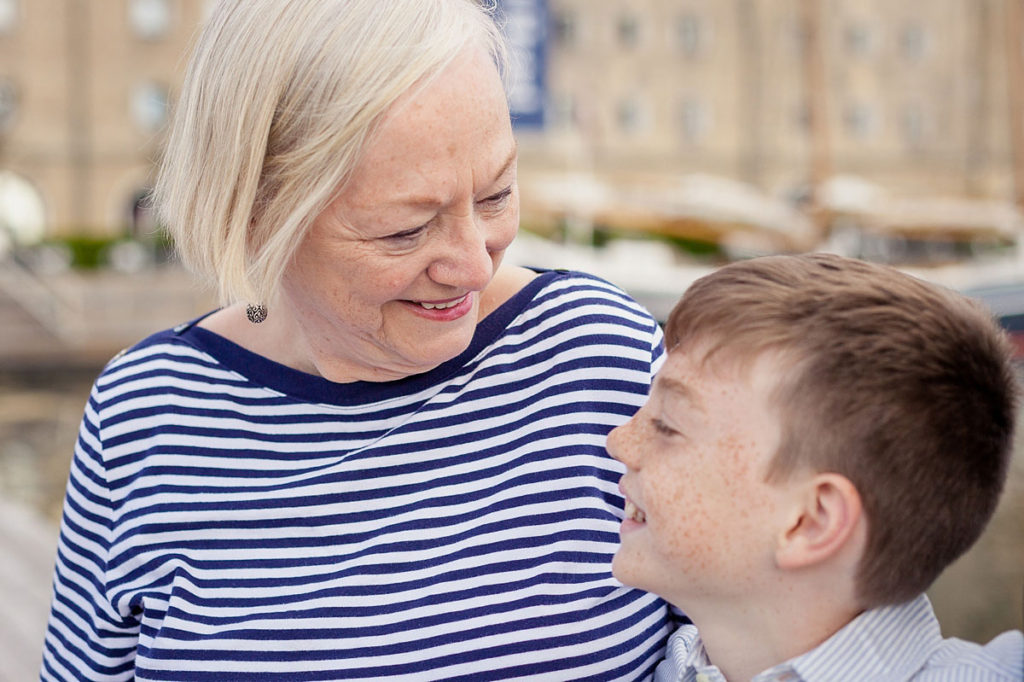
<point x="635" y="513"/>
<point x="442" y="306"/>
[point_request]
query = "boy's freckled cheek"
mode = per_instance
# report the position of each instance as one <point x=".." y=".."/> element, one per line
<point x="690" y="543"/>
<point x="735" y="457"/>
<point x="692" y="528"/>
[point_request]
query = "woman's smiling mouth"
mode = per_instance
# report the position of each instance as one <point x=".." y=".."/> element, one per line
<point x="444" y="310"/>
<point x="442" y="305"/>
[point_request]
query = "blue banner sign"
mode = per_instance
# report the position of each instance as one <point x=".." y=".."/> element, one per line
<point x="525" y="23"/>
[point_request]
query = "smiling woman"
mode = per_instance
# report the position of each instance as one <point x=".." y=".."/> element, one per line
<point x="383" y="458"/>
<point x="398" y="262"/>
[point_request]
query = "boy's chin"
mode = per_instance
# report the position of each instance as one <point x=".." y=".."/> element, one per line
<point x="622" y="568"/>
<point x="634" y="569"/>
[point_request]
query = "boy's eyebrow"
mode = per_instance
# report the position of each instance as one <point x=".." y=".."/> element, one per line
<point x="681" y="390"/>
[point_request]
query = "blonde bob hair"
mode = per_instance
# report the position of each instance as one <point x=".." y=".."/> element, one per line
<point x="279" y="98"/>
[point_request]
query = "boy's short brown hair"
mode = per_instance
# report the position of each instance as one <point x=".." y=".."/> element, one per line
<point x="904" y="387"/>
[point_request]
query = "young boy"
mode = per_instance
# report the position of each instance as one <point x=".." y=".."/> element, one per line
<point x="825" y="437"/>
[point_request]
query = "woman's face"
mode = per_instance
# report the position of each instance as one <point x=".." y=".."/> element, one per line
<point x="387" y="282"/>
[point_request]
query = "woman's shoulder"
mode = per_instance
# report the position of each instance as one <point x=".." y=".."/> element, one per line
<point x="578" y="313"/>
<point x="586" y="293"/>
<point x="168" y="352"/>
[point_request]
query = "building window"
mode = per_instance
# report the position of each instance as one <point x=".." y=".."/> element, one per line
<point x="629" y="31"/>
<point x="914" y="123"/>
<point x="914" y="41"/>
<point x="562" y="112"/>
<point x="632" y="116"/>
<point x="8" y="16"/>
<point x="149" y="106"/>
<point x="859" y="39"/>
<point x="8" y="105"/>
<point x="800" y="117"/>
<point x="792" y="36"/>
<point x="151" y="19"/>
<point x="861" y="120"/>
<point x="22" y="212"/>
<point x="142" y="215"/>
<point x="690" y="35"/>
<point x="695" y="119"/>
<point x="564" y="30"/>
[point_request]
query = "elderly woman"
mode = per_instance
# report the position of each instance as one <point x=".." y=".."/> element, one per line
<point x="384" y="457"/>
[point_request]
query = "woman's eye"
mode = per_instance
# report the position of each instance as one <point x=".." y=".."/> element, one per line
<point x="406" y="235"/>
<point x="499" y="200"/>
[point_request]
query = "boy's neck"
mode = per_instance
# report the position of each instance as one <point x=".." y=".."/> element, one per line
<point x="745" y="641"/>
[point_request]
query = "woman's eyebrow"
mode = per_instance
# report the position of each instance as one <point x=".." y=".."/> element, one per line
<point x="510" y="161"/>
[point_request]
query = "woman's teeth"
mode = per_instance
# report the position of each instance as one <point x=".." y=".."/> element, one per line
<point x="443" y="306"/>
<point x="635" y="513"/>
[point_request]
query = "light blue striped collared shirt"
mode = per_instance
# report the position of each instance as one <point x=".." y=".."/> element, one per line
<point x="889" y="644"/>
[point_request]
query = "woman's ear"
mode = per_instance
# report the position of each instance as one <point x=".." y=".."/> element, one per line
<point x="825" y="513"/>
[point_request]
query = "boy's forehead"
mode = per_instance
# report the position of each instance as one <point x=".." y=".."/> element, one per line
<point x="674" y="385"/>
<point x="691" y="370"/>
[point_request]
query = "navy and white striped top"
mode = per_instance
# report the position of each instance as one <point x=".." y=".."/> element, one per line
<point x="229" y="518"/>
<point x="901" y="643"/>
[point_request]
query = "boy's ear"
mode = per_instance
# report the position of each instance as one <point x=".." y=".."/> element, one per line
<point x="825" y="513"/>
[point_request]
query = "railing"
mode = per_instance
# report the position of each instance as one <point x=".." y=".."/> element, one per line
<point x="38" y="299"/>
<point x="98" y="313"/>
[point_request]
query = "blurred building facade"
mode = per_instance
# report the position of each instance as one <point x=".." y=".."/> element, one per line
<point x="84" y="92"/>
<point x="913" y="95"/>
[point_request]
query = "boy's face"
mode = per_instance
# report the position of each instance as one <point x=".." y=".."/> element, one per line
<point x="699" y="514"/>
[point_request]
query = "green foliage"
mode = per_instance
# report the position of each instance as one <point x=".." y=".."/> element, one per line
<point x="695" y="247"/>
<point x="87" y="252"/>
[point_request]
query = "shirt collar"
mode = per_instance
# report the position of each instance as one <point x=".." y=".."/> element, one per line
<point x="890" y="643"/>
<point x="687" y="659"/>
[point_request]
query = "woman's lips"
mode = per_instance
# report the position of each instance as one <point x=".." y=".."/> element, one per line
<point x="443" y="311"/>
<point x="443" y="305"/>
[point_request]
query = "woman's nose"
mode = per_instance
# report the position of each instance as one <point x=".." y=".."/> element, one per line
<point x="465" y="262"/>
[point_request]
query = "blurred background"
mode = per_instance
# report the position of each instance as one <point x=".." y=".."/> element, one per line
<point x="658" y="139"/>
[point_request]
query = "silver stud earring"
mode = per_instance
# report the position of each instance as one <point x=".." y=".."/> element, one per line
<point x="256" y="313"/>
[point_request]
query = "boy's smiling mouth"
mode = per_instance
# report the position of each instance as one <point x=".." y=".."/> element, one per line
<point x="634" y="513"/>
